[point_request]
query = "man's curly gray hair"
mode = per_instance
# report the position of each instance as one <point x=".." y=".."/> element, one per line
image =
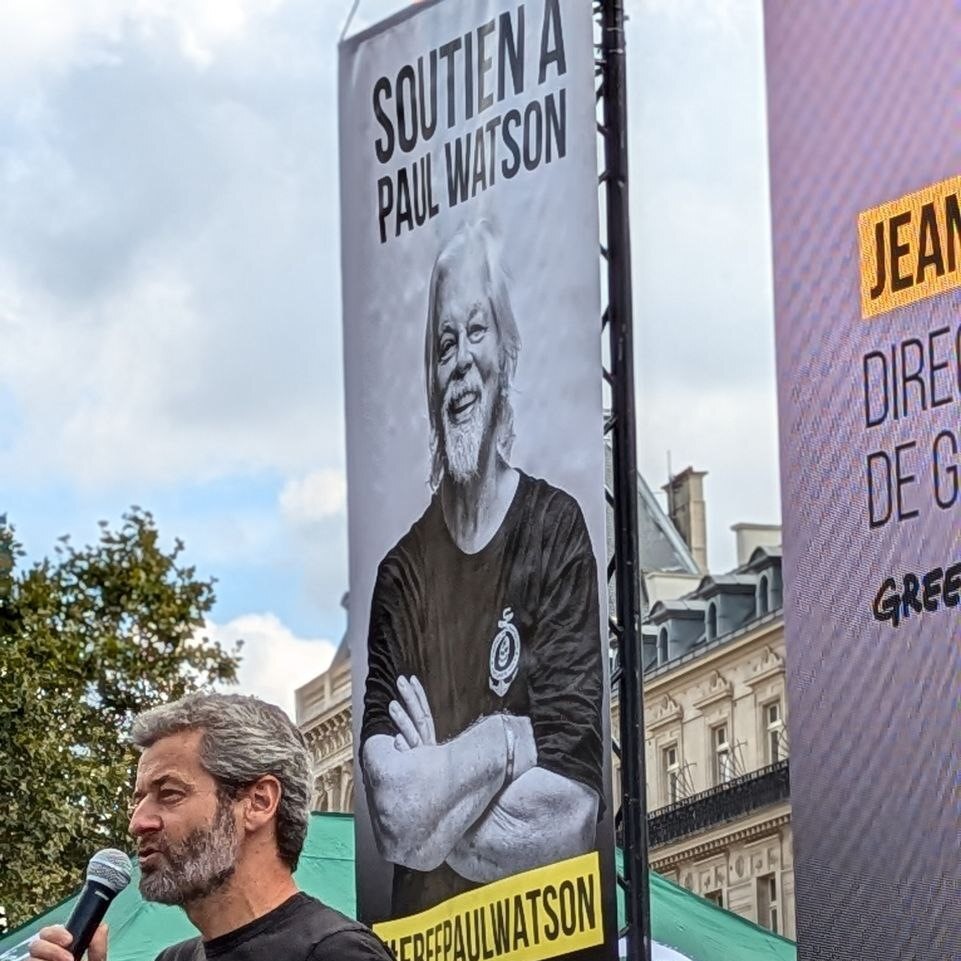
<point x="244" y="739"/>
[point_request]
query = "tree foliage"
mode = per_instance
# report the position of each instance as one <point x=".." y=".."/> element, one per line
<point x="88" y="639"/>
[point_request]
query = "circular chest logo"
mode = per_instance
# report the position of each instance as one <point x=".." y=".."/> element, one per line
<point x="505" y="654"/>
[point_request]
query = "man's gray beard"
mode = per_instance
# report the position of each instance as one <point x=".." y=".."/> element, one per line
<point x="198" y="866"/>
<point x="463" y="443"/>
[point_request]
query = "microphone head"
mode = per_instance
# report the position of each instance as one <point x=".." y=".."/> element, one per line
<point x="111" y="868"/>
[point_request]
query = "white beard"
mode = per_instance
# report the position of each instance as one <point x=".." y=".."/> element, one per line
<point x="463" y="442"/>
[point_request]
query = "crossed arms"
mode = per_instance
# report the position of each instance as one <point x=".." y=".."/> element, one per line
<point x="478" y="801"/>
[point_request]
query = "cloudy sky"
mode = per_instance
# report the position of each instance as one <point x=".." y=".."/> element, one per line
<point x="170" y="292"/>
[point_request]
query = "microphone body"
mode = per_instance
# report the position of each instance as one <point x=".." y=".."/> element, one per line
<point x="108" y="873"/>
<point x="87" y="914"/>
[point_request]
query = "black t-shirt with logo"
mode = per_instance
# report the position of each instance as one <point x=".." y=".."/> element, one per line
<point x="300" y="929"/>
<point x="513" y="628"/>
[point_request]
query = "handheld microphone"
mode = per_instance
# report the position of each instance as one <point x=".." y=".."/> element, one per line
<point x="108" y="873"/>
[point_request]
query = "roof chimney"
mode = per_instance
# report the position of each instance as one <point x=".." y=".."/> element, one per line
<point x="685" y="506"/>
<point x="752" y="536"/>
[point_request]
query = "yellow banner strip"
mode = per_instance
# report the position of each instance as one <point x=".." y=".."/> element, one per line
<point x="527" y="917"/>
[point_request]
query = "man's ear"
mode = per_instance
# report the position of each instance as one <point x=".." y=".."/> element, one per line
<point x="261" y="802"/>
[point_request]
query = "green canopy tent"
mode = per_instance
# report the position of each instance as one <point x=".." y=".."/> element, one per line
<point x="685" y="927"/>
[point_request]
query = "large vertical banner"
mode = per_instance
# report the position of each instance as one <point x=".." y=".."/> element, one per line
<point x="865" y="144"/>
<point x="475" y="481"/>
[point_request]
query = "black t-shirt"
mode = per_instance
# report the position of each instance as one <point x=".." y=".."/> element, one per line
<point x="513" y="628"/>
<point x="300" y="929"/>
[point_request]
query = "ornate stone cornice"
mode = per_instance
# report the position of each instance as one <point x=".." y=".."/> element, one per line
<point x="329" y="721"/>
<point x="718" y="843"/>
<point x="330" y="735"/>
<point x="768" y="629"/>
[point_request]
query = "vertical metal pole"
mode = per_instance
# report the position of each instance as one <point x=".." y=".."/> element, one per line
<point x="624" y="441"/>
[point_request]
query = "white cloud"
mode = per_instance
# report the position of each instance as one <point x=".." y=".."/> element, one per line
<point x="727" y="16"/>
<point x="167" y="313"/>
<point x="52" y="36"/>
<point x="138" y="387"/>
<point x="275" y="661"/>
<point x="307" y="500"/>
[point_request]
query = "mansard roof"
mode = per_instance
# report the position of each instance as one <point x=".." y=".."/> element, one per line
<point x="726" y="583"/>
<point x="660" y="546"/>
<point x="763" y="556"/>
<point x="688" y="607"/>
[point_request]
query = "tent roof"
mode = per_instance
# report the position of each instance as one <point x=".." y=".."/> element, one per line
<point x="681" y="920"/>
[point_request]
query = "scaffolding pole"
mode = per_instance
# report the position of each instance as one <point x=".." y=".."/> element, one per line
<point x="621" y="426"/>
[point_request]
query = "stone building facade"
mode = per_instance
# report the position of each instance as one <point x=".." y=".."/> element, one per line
<point x="716" y="742"/>
<point x="324" y="715"/>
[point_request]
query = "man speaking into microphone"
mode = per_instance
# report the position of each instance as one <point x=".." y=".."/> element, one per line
<point x="219" y="814"/>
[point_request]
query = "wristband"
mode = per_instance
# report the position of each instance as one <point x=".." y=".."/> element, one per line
<point x="509" y="738"/>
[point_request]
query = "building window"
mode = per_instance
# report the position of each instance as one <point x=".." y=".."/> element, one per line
<point x="671" y="774"/>
<point x="774" y="733"/>
<point x="662" y="646"/>
<point x="711" y="621"/>
<point x="768" y="910"/>
<point x="723" y="761"/>
<point x="763" y="602"/>
<point x="715" y="897"/>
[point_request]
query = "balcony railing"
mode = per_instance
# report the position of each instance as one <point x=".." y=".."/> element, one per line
<point x="720" y="804"/>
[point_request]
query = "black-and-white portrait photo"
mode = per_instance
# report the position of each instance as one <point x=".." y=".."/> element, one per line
<point x="477" y="618"/>
<point x="481" y="743"/>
